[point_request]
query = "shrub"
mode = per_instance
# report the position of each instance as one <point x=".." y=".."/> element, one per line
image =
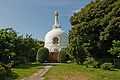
<point x="86" y="63"/>
<point x="42" y="55"/>
<point x="7" y="68"/>
<point x="11" y="64"/>
<point x="94" y="64"/>
<point x="2" y="73"/>
<point x="107" y="66"/>
<point x="115" y="50"/>
<point x="63" y="56"/>
<point x="91" y="62"/>
<point x="14" y="63"/>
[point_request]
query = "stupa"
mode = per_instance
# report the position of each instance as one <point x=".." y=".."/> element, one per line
<point x="56" y="39"/>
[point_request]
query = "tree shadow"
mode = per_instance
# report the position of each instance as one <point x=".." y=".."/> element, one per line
<point x="114" y="70"/>
<point x="27" y="66"/>
<point x="12" y="76"/>
<point x="50" y="64"/>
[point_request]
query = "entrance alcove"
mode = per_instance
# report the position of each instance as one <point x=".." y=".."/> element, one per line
<point x="55" y="40"/>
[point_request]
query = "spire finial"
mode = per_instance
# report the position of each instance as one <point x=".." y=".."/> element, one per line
<point x="56" y="25"/>
<point x="56" y="17"/>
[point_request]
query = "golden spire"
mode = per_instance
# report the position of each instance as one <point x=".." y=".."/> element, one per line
<point x="56" y="17"/>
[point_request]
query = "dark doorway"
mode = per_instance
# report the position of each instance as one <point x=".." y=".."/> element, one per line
<point x="53" y="56"/>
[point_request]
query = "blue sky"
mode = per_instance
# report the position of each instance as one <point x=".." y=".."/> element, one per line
<point x="36" y="17"/>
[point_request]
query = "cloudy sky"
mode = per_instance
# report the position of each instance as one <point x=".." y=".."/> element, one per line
<point x="36" y="17"/>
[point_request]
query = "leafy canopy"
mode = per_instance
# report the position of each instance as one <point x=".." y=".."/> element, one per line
<point x="42" y="55"/>
<point x="115" y="50"/>
<point x="16" y="47"/>
<point x="94" y="29"/>
<point x="63" y="55"/>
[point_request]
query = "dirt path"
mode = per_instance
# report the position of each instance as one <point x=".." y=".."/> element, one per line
<point x="39" y="74"/>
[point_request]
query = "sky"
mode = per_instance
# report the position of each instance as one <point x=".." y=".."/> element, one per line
<point x="36" y="17"/>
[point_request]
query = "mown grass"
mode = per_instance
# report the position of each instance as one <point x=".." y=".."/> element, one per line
<point x="80" y="72"/>
<point x="23" y="70"/>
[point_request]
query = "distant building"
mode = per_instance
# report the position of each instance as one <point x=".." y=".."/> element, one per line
<point x="56" y="39"/>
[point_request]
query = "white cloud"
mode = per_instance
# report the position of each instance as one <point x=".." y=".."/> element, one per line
<point x="78" y="10"/>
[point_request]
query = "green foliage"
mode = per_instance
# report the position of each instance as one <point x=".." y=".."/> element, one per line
<point x="94" y="29"/>
<point x="42" y="55"/>
<point x="63" y="56"/>
<point x="11" y="64"/>
<point x="77" y="52"/>
<point x="107" y="66"/>
<point x="14" y="47"/>
<point x="2" y="73"/>
<point x="115" y="50"/>
<point x="7" y="68"/>
<point x="90" y="63"/>
<point x="94" y="64"/>
<point x="86" y="63"/>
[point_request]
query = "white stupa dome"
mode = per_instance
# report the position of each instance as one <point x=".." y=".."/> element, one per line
<point x="56" y="38"/>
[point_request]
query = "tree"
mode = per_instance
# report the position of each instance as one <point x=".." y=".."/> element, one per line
<point x="63" y="56"/>
<point x="42" y="55"/>
<point x="14" y="47"/>
<point x="7" y="44"/>
<point x="94" y="29"/>
<point x="115" y="50"/>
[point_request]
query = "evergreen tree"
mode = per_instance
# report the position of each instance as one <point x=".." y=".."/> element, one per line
<point x="94" y="29"/>
<point x="17" y="48"/>
<point x="42" y="55"/>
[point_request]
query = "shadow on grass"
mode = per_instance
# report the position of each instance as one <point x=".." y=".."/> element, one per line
<point x="50" y="64"/>
<point x="26" y="66"/>
<point x="12" y="76"/>
<point x="114" y="70"/>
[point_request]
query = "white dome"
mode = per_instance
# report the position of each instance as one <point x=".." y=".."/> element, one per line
<point x="61" y="35"/>
<point x="56" y="33"/>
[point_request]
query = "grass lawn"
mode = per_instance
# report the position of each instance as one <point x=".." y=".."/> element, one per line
<point x="80" y="72"/>
<point x="23" y="70"/>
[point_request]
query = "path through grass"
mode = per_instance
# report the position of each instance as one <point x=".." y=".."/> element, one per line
<point x="79" y="72"/>
<point x="23" y="70"/>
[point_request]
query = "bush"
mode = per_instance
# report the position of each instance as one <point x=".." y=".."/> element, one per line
<point x="94" y="64"/>
<point x="63" y="56"/>
<point x="14" y="63"/>
<point x="107" y="66"/>
<point x="7" y="68"/>
<point x="91" y="62"/>
<point x="11" y="64"/>
<point x="42" y="55"/>
<point x="86" y="63"/>
<point x="2" y="73"/>
<point x="115" y="50"/>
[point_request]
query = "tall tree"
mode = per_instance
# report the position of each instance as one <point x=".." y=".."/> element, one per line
<point x="7" y="43"/>
<point x="14" y="47"/>
<point x="94" y="29"/>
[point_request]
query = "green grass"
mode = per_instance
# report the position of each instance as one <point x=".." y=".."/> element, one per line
<point x="80" y="72"/>
<point x="23" y="70"/>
